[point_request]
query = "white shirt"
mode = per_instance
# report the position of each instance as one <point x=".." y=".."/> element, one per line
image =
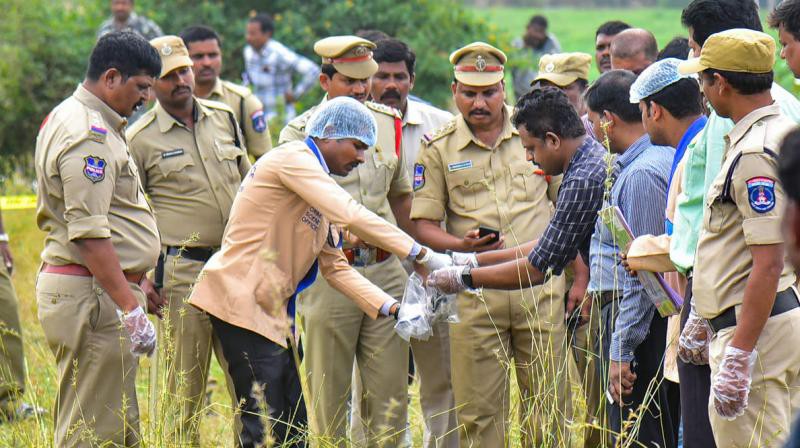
<point x="419" y="119"/>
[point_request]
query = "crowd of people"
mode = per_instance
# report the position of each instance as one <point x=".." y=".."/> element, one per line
<point x="267" y="256"/>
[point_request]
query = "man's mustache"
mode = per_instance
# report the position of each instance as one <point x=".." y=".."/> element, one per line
<point x="391" y="94"/>
<point x="479" y="112"/>
<point x="180" y="89"/>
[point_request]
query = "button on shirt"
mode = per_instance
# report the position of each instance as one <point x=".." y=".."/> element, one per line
<point x="579" y="199"/>
<point x="89" y="186"/>
<point x="752" y="217"/>
<point x="640" y="192"/>
<point x="270" y="70"/>
<point x="190" y="174"/>
<point x="419" y="119"/>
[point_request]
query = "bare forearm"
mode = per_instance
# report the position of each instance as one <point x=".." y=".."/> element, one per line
<point x="513" y="274"/>
<point x="505" y="255"/>
<point x="100" y="258"/>
<point x="401" y="209"/>
<point x="430" y="233"/>
<point x="759" y="295"/>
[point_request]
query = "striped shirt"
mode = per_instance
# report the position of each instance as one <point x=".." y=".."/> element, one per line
<point x="640" y="192"/>
<point x="579" y="199"/>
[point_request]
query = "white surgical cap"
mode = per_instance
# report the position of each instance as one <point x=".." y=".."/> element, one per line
<point x="655" y="78"/>
<point x="343" y="117"/>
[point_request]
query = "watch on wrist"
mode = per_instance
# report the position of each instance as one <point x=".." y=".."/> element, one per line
<point x="3" y="237"/>
<point x="466" y="277"/>
<point x="396" y="312"/>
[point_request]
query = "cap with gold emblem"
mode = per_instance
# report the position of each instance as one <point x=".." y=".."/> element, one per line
<point x="737" y="50"/>
<point x="563" y="69"/>
<point x="173" y="53"/>
<point x="478" y="64"/>
<point x="349" y="55"/>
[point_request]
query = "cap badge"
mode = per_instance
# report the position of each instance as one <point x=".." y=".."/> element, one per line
<point x="480" y="63"/>
<point x="549" y="67"/>
<point x="166" y="50"/>
<point x="360" y="50"/>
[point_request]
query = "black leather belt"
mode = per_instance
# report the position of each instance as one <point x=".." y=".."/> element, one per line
<point x="785" y="300"/>
<point x="606" y="297"/>
<point x="192" y="253"/>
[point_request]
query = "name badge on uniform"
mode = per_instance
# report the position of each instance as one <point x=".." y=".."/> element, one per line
<point x="419" y="176"/>
<point x="458" y="166"/>
<point x="259" y="121"/>
<point x="173" y="153"/>
<point x="761" y="192"/>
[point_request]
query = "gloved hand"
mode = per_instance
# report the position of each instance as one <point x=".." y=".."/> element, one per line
<point x="694" y="340"/>
<point x="731" y="385"/>
<point x="140" y="331"/>
<point x="434" y="260"/>
<point x="464" y="259"/>
<point x="448" y="280"/>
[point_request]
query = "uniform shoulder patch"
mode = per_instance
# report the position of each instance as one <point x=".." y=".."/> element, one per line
<point x="447" y="129"/>
<point x="242" y="91"/>
<point x="419" y="176"/>
<point x="384" y="109"/>
<point x="94" y="168"/>
<point x="761" y="193"/>
<point x="259" y="120"/>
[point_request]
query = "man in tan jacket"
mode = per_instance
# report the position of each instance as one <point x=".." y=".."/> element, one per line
<point x="285" y="223"/>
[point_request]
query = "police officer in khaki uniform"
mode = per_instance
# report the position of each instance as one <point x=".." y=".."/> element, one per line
<point x="748" y="301"/>
<point x="204" y="48"/>
<point x="101" y="239"/>
<point x="337" y="332"/>
<point x="191" y="161"/>
<point x="471" y="173"/>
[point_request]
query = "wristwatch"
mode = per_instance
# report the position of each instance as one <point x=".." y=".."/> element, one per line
<point x="3" y="237"/>
<point x="396" y="313"/>
<point x="466" y="277"/>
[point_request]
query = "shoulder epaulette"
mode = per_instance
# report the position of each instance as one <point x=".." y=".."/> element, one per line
<point x="140" y="124"/>
<point x="215" y="105"/>
<point x="384" y="109"/>
<point x="242" y="91"/>
<point x="447" y="129"/>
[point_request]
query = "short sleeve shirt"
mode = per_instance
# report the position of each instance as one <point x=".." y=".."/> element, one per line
<point x="89" y="186"/>
<point x="750" y="217"/>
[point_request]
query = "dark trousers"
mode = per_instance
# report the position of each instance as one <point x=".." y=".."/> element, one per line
<point x="695" y="389"/>
<point x="265" y="379"/>
<point x="658" y="424"/>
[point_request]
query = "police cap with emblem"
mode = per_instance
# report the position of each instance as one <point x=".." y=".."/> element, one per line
<point x="173" y="53"/>
<point x="563" y="69"/>
<point x="736" y="50"/>
<point x="349" y="55"/>
<point x="478" y="64"/>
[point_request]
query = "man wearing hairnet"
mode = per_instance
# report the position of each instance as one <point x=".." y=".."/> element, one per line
<point x="285" y="224"/>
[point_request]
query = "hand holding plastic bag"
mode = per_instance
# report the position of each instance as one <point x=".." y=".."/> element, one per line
<point x="435" y="260"/>
<point x="422" y="307"/>
<point x="695" y="339"/>
<point x="731" y="385"/>
<point x="448" y="280"/>
<point x="465" y="259"/>
<point x="140" y="331"/>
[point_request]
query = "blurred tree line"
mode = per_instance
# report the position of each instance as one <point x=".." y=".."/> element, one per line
<point x="45" y="46"/>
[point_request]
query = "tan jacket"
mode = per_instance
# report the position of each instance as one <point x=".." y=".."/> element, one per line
<point x="287" y="214"/>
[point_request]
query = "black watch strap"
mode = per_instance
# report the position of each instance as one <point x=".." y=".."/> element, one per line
<point x="466" y="277"/>
<point x="396" y="313"/>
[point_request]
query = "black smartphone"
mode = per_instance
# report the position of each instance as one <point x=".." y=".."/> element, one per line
<point x="483" y="231"/>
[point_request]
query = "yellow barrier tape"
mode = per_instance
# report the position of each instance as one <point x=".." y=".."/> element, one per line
<point x="17" y="202"/>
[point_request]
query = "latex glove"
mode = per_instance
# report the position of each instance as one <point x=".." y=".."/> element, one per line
<point x="694" y="340"/>
<point x="464" y="259"/>
<point x="140" y="331"/>
<point x="731" y="385"/>
<point x="434" y="260"/>
<point x="448" y="280"/>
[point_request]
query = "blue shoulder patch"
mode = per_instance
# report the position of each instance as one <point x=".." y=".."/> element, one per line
<point x="761" y="192"/>
<point x="259" y="121"/>
<point x="419" y="176"/>
<point x="94" y="168"/>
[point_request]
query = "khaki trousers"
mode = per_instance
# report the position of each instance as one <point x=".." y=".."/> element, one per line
<point x="187" y="349"/>
<point x="337" y="333"/>
<point x="526" y="326"/>
<point x="12" y="359"/>
<point x="96" y="402"/>
<point x="586" y="353"/>
<point x="774" y="391"/>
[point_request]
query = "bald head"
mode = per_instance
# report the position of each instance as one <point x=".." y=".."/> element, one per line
<point x="633" y="49"/>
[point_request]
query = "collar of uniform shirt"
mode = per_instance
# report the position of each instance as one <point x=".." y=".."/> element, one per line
<point x="464" y="134"/>
<point x="166" y="121"/>
<point x="633" y="151"/>
<point x="741" y="128"/>
<point x="313" y="147"/>
<point x="115" y="120"/>
<point x="412" y="115"/>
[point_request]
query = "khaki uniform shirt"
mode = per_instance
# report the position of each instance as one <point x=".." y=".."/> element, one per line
<point x="190" y="174"/>
<point x="249" y="113"/>
<point x="89" y="186"/>
<point x="419" y="119"/>
<point x="381" y="176"/>
<point x="458" y="177"/>
<point x="723" y="261"/>
<point x="287" y="214"/>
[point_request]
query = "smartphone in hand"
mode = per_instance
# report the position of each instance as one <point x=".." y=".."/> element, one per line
<point x="483" y="231"/>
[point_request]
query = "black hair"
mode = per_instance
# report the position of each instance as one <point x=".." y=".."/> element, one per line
<point x="328" y="69"/>
<point x="125" y="51"/>
<point x="538" y="20"/>
<point x="677" y="48"/>
<point x="199" y="33"/>
<point x="707" y="17"/>
<point x="744" y="83"/>
<point x="265" y="21"/>
<point x="373" y="36"/>
<point x="611" y="28"/>
<point x="787" y="13"/>
<point x="789" y="164"/>
<point x="611" y="92"/>
<point x="395" y="50"/>
<point x="547" y="110"/>
<point x="681" y="99"/>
